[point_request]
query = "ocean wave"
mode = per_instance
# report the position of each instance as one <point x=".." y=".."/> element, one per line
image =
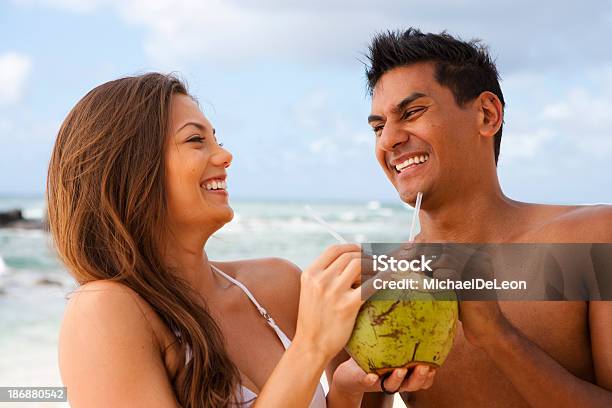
<point x="3" y="267"/>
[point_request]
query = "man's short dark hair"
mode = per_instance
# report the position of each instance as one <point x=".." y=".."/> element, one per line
<point x="466" y="68"/>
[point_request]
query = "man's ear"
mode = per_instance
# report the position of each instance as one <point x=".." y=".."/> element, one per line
<point x="491" y="113"/>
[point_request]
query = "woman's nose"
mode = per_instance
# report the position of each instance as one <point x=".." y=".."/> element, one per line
<point x="223" y="157"/>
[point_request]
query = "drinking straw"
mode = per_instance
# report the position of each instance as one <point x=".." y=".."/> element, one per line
<point x="339" y="237"/>
<point x="324" y="224"/>
<point x="415" y="216"/>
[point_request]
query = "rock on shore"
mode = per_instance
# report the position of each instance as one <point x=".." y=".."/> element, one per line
<point x="14" y="219"/>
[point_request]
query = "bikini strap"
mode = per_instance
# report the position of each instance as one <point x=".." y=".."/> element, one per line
<point x="263" y="312"/>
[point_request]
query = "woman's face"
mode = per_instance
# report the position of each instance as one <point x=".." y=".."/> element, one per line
<point x="195" y="169"/>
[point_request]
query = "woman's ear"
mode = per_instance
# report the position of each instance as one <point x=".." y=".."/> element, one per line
<point x="491" y="114"/>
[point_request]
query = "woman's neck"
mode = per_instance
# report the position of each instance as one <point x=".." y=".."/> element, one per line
<point x="184" y="254"/>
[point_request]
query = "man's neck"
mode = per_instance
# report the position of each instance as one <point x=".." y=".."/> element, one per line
<point x="473" y="217"/>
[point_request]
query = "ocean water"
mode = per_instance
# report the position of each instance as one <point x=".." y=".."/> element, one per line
<point x="33" y="284"/>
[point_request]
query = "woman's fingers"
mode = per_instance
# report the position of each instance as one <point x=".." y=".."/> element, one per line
<point x="351" y="274"/>
<point x="369" y="380"/>
<point x="331" y="254"/>
<point x="341" y="263"/>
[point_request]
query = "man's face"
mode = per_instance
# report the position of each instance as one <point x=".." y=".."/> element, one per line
<point x="424" y="141"/>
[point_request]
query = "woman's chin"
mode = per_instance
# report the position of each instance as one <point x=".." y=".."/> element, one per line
<point x="229" y="214"/>
<point x="223" y="214"/>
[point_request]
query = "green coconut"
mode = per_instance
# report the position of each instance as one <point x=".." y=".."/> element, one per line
<point x="398" y="328"/>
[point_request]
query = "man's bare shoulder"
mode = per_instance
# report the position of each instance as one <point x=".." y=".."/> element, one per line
<point x="585" y="223"/>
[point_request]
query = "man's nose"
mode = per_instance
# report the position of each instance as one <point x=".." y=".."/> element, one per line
<point x="391" y="137"/>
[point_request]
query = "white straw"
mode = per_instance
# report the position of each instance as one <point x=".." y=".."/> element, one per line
<point x="328" y="227"/>
<point x="415" y="215"/>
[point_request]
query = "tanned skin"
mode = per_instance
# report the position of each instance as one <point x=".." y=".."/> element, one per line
<point x="506" y="354"/>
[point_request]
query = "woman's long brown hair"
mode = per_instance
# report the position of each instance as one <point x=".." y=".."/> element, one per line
<point x="106" y="214"/>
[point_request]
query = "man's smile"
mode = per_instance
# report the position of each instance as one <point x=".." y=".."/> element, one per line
<point x="409" y="161"/>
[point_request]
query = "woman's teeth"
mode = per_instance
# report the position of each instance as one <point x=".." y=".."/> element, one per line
<point x="413" y="160"/>
<point x="216" y="185"/>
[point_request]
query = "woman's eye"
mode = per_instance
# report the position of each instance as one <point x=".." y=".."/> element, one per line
<point x="198" y="139"/>
<point x="410" y="113"/>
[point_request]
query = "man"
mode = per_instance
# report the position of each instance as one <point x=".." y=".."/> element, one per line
<point x="437" y="113"/>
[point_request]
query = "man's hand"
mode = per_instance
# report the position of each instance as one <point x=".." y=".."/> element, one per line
<point x="349" y="378"/>
<point x="482" y="320"/>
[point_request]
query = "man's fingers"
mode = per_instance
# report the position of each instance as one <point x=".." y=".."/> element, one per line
<point x="446" y="261"/>
<point x="394" y="380"/>
<point x="417" y="379"/>
<point x="430" y="379"/>
<point x="444" y="274"/>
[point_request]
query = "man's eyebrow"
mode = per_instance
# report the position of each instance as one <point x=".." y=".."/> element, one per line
<point x="407" y="101"/>
<point x="195" y="124"/>
<point x="375" y="118"/>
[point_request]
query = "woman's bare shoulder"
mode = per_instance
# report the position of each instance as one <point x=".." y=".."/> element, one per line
<point x="264" y="273"/>
<point x="109" y="302"/>
<point x="275" y="282"/>
<point x="104" y="309"/>
<point x="106" y="342"/>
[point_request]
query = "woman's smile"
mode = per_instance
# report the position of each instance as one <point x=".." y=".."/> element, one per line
<point x="215" y="185"/>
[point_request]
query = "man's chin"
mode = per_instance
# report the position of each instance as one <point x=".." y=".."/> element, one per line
<point x="408" y="196"/>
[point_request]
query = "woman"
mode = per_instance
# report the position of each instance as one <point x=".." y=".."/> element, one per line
<point x="136" y="186"/>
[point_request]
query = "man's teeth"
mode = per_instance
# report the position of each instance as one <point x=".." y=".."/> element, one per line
<point x="216" y="185"/>
<point x="413" y="160"/>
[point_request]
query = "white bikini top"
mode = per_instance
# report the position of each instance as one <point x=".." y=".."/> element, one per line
<point x="247" y="397"/>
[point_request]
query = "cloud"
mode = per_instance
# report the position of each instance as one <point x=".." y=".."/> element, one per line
<point x="525" y="145"/>
<point x="14" y="71"/>
<point x="559" y="117"/>
<point x="584" y="117"/>
<point x="75" y="6"/>
<point x="315" y="114"/>
<point x="557" y="73"/>
<point x="228" y="31"/>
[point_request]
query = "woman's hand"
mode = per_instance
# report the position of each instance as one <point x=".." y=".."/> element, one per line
<point x="350" y="379"/>
<point x="328" y="304"/>
<point x="326" y="316"/>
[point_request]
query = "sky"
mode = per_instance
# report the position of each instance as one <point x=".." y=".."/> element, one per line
<point x="283" y="83"/>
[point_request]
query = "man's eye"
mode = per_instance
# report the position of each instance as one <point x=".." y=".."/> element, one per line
<point x="377" y="129"/>
<point x="408" y="114"/>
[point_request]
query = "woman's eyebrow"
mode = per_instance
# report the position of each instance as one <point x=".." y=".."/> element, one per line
<point x="195" y="124"/>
